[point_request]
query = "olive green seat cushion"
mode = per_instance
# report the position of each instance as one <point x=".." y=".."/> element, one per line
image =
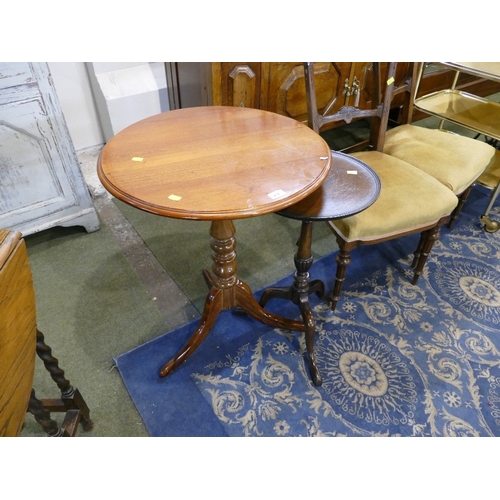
<point x="452" y="159"/>
<point x="409" y="199"/>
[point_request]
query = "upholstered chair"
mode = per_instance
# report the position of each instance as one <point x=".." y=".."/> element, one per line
<point x="410" y="201"/>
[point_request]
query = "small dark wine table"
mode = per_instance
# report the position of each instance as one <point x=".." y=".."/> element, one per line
<point x="216" y="163"/>
<point x="351" y="187"/>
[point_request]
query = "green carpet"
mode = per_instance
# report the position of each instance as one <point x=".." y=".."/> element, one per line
<point x="90" y="307"/>
<point x="265" y="247"/>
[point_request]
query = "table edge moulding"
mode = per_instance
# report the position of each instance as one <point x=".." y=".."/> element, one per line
<point x="149" y="141"/>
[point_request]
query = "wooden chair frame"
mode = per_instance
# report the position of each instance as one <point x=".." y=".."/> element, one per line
<point x="379" y="115"/>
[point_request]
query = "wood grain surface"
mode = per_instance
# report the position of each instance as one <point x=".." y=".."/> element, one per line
<point x="17" y="332"/>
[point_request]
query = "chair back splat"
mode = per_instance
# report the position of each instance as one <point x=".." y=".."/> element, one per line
<point x="404" y="93"/>
<point x="378" y="113"/>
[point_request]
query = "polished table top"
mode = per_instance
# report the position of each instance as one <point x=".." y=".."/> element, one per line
<point x="214" y="162"/>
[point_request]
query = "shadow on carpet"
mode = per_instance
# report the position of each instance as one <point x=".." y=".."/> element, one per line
<point x="396" y="359"/>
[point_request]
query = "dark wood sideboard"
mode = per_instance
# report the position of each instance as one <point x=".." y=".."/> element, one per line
<point x="279" y="86"/>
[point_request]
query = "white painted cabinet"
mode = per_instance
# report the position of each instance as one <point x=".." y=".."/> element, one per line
<point x="41" y="183"/>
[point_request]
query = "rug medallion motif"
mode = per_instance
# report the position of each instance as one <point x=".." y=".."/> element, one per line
<point x="396" y="359"/>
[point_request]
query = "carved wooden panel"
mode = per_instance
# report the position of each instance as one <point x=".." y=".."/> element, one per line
<point x="286" y="89"/>
<point x="241" y="86"/>
<point x="236" y="84"/>
<point x="279" y="86"/>
<point x="13" y="74"/>
<point x="31" y="179"/>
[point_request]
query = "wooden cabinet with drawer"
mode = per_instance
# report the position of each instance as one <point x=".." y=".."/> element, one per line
<point x="280" y="87"/>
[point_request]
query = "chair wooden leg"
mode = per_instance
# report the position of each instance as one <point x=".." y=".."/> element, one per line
<point x="461" y="201"/>
<point x="71" y="401"/>
<point x="427" y="240"/>
<point x="418" y="251"/>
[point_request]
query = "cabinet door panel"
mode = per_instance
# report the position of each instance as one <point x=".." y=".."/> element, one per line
<point x="41" y="184"/>
<point x="361" y="76"/>
<point x="242" y="86"/>
<point x="32" y="178"/>
<point x="360" y="85"/>
<point x="13" y="74"/>
<point x="236" y="84"/>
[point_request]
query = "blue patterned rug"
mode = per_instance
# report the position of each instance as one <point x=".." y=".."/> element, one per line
<point x="396" y="359"/>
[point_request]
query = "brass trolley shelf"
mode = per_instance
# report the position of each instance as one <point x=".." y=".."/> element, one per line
<point x="467" y="110"/>
<point x="475" y="113"/>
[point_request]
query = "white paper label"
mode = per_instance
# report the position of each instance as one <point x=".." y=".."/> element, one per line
<point x="279" y="193"/>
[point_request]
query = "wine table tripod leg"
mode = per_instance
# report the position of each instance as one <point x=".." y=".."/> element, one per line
<point x="299" y="293"/>
<point x="226" y="292"/>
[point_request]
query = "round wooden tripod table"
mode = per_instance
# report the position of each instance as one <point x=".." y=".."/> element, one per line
<point x="216" y="163"/>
